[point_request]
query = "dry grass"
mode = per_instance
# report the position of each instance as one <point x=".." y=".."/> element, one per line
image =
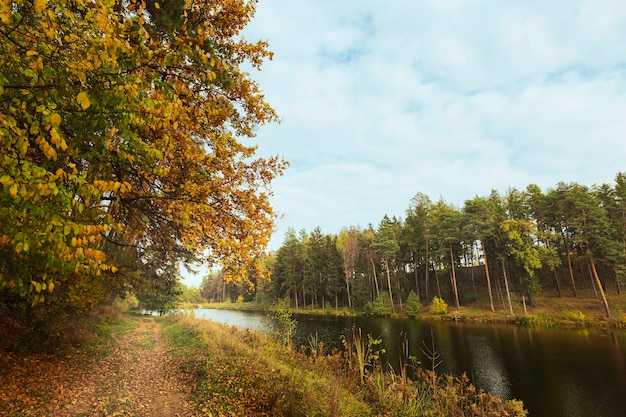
<point x="239" y="372"/>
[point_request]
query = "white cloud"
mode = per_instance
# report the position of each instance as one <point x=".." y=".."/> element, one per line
<point x="450" y="98"/>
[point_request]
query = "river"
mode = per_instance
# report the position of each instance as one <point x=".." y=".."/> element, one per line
<point x="555" y="372"/>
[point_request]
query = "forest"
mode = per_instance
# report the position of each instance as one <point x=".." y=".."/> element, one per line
<point x="566" y="240"/>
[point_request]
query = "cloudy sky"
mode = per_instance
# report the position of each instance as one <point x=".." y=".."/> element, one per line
<point x="380" y="100"/>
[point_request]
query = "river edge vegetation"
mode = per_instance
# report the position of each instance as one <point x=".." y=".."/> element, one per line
<point x="232" y="371"/>
<point x="549" y="311"/>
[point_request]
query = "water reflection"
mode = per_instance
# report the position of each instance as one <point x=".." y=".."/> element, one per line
<point x="557" y="373"/>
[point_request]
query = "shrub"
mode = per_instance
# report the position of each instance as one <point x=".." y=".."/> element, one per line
<point x="574" y="315"/>
<point x="382" y="305"/>
<point x="438" y="306"/>
<point x="413" y="305"/>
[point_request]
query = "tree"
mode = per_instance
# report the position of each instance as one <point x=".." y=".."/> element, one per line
<point x="481" y="222"/>
<point x="121" y="122"/>
<point x="447" y="229"/>
<point x="387" y="245"/>
<point x="288" y="269"/>
<point x="348" y="245"/>
<point x="519" y="246"/>
<point x="417" y="234"/>
<point x="613" y="199"/>
<point x="539" y="210"/>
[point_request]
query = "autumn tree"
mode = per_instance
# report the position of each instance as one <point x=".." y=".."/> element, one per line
<point x="122" y="124"/>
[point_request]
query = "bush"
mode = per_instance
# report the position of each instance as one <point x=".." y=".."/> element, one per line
<point x="574" y="315"/>
<point x="438" y="306"/>
<point x="413" y="305"/>
<point x="381" y="306"/>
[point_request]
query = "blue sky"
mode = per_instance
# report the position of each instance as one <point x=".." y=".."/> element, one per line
<point x="381" y="100"/>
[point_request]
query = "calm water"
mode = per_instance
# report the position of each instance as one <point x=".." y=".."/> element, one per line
<point x="556" y="372"/>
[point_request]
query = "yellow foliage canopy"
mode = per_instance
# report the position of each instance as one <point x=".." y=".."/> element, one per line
<point x="121" y="126"/>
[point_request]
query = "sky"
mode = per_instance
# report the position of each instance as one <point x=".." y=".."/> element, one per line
<point x="380" y="100"/>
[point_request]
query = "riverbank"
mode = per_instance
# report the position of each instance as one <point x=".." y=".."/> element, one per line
<point x="549" y="311"/>
<point x="198" y="367"/>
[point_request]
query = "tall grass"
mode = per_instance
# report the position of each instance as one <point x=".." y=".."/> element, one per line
<point x="240" y="372"/>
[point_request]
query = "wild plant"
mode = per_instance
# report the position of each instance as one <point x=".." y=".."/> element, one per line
<point x="315" y="345"/>
<point x="433" y="356"/>
<point x="283" y="324"/>
<point x="365" y="350"/>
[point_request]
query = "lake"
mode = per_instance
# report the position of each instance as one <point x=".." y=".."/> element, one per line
<point x="556" y="372"/>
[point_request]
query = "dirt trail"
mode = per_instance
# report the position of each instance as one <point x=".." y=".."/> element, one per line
<point x="140" y="377"/>
<point x="153" y="385"/>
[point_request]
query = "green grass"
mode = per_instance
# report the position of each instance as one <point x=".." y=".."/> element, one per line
<point x="241" y="372"/>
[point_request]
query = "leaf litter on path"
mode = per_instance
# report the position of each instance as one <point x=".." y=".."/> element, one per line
<point x="139" y="376"/>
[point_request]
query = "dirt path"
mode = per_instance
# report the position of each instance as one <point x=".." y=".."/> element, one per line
<point x="153" y="386"/>
<point x="140" y="377"/>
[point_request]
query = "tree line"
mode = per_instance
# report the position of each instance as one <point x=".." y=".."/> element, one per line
<point x="496" y="248"/>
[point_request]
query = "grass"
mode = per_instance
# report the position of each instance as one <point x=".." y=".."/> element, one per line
<point x="240" y="372"/>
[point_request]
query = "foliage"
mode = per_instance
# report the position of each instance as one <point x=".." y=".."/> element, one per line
<point x="282" y="323"/>
<point x="413" y="305"/>
<point x="381" y="306"/>
<point x="362" y="352"/>
<point x="121" y="127"/>
<point x="438" y="306"/>
<point x="574" y="315"/>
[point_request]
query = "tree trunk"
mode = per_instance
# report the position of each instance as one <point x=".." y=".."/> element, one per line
<point x="593" y="285"/>
<point x="437" y="280"/>
<point x="415" y="272"/>
<point x="488" y="278"/>
<point x="375" y="278"/>
<point x="569" y="261"/>
<point x="393" y="308"/>
<point x="594" y="271"/>
<point x="427" y="277"/>
<point x="473" y="277"/>
<point x="595" y="275"/>
<point x="506" y="284"/>
<point x="500" y="293"/>
<point x="454" y="287"/>
<point x="556" y="282"/>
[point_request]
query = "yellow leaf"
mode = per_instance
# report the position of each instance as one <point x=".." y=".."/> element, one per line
<point x="51" y="287"/>
<point x="83" y="100"/>
<point x="31" y="53"/>
<point x="40" y="5"/>
<point x="55" y="139"/>
<point x="157" y="5"/>
<point x="55" y="118"/>
<point x="36" y="285"/>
